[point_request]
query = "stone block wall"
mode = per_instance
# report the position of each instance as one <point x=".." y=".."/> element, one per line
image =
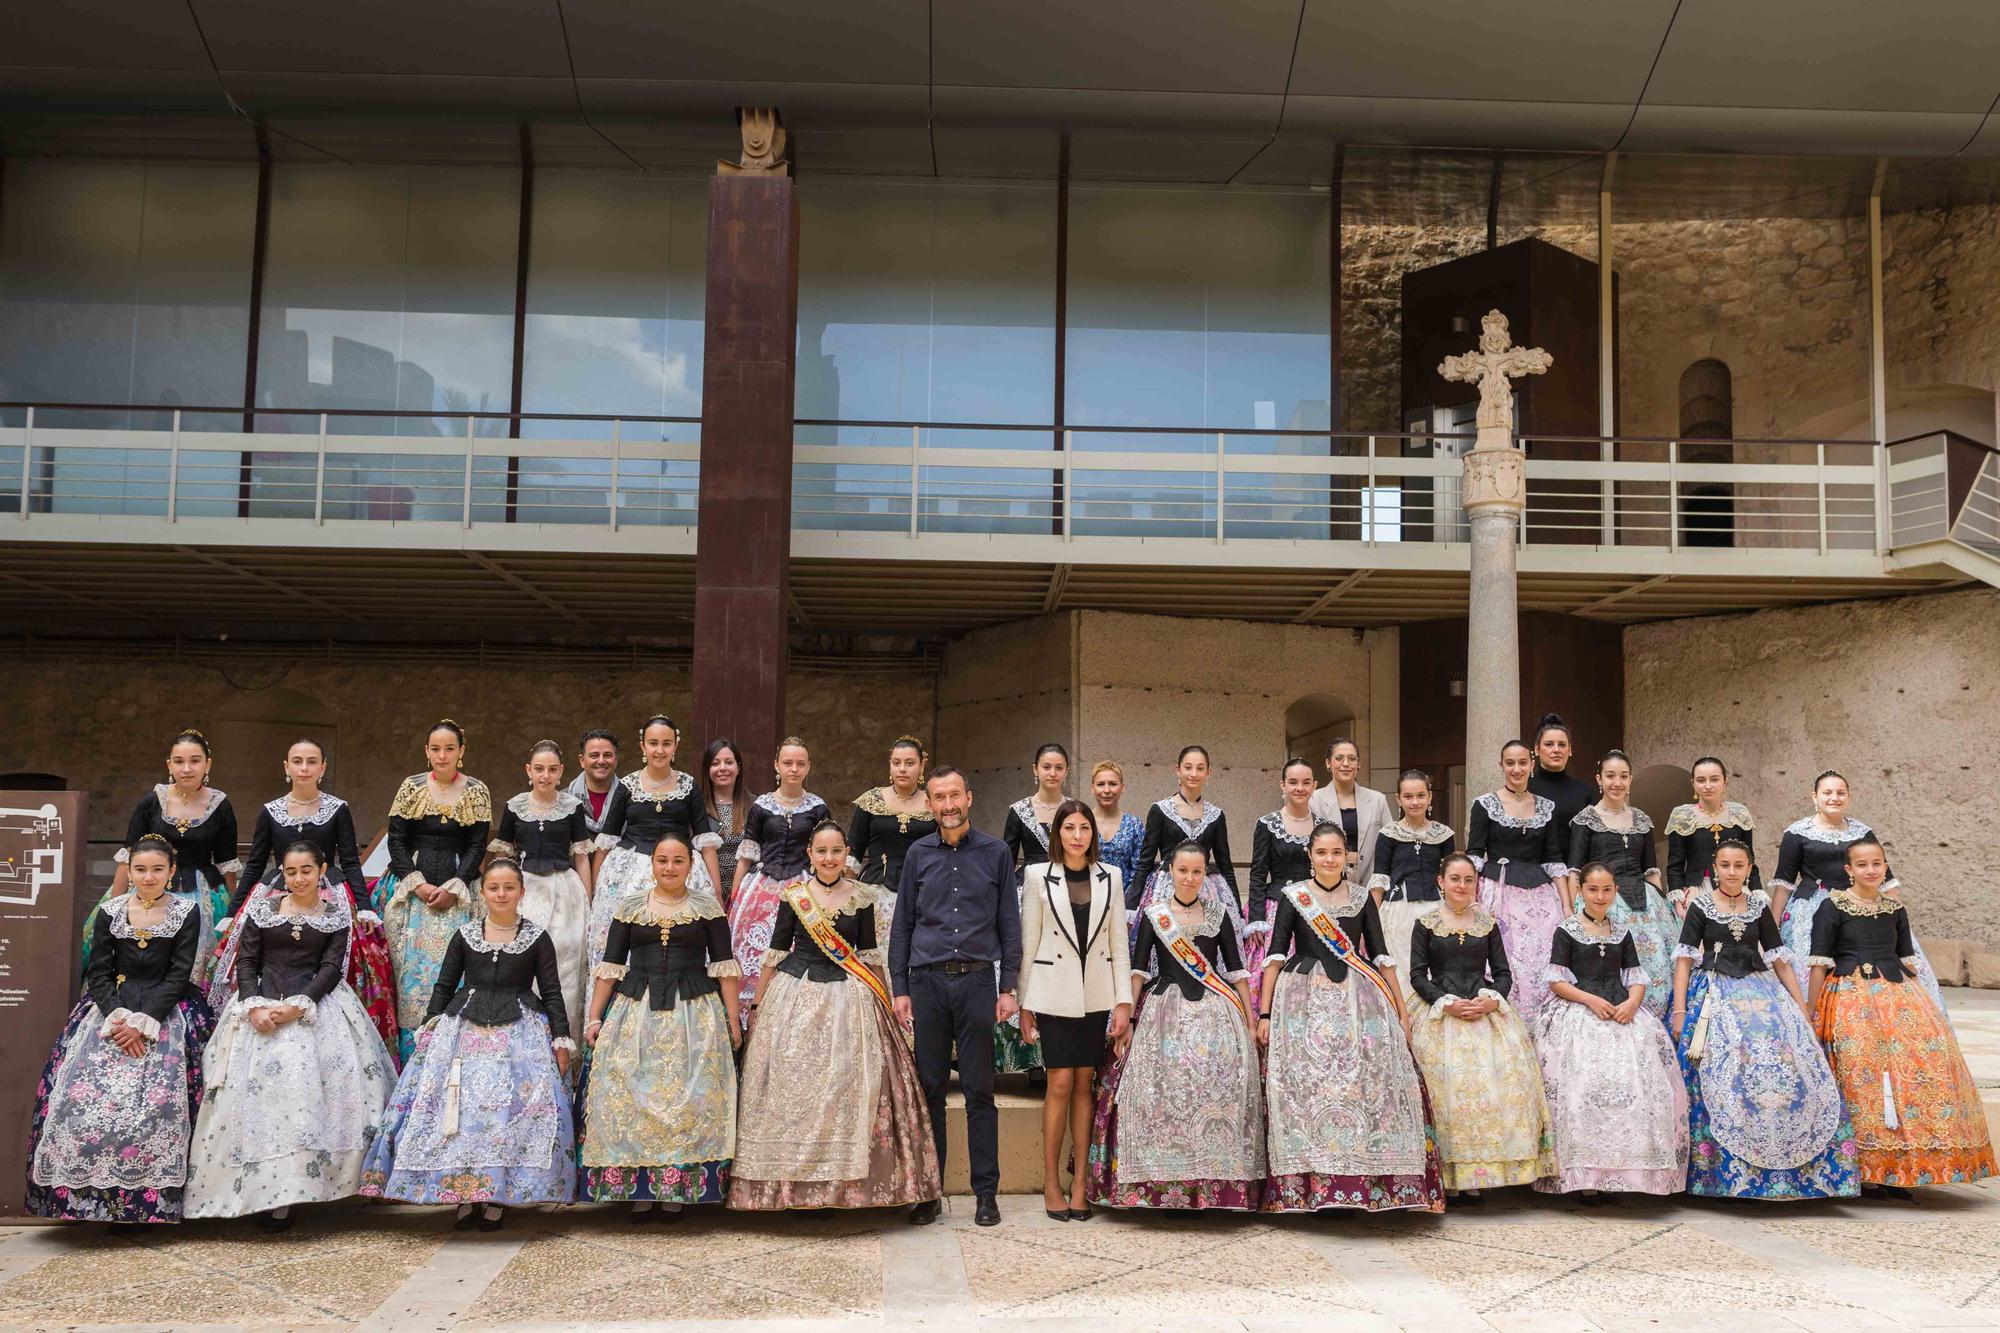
<point x="1899" y="694"/>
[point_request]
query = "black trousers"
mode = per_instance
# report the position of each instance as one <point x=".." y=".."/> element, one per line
<point x="957" y="1007"/>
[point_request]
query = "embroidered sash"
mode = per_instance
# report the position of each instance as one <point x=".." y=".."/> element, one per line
<point x="1181" y="949"/>
<point x="819" y="924"/>
<point x="1321" y="923"/>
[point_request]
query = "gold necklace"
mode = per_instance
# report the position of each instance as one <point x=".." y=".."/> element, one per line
<point x="144" y="934"/>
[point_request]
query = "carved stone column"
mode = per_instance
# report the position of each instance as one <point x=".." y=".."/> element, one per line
<point x="1495" y="490"/>
<point x="743" y="546"/>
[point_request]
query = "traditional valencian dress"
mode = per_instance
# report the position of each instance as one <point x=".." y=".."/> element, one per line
<point x="1812" y="865"/>
<point x="1519" y="862"/>
<point x="288" y="1114"/>
<point x="329" y="827"/>
<point x="1027" y="838"/>
<point x="1916" y="1111"/>
<point x="1348" y="1122"/>
<point x="1405" y="882"/>
<point x="481" y="1113"/>
<point x="445" y="843"/>
<point x="1485" y="1087"/>
<point x="1277" y="857"/>
<point x="636" y="817"/>
<point x="659" y="1100"/>
<point x="546" y="840"/>
<point x="775" y="835"/>
<point x="1692" y="836"/>
<point x="1640" y="906"/>
<point x="878" y="839"/>
<point x="1179" y="1121"/>
<point x="1165" y="830"/>
<point x="204" y="851"/>
<point x="109" y="1139"/>
<point x="1765" y="1114"/>
<point x="832" y="1113"/>
<point x="1615" y="1092"/>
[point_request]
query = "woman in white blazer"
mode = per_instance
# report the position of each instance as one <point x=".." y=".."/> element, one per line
<point x="1075" y="970"/>
<point x="1359" y="812"/>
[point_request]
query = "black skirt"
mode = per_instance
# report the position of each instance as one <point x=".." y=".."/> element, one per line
<point x="1072" y="1043"/>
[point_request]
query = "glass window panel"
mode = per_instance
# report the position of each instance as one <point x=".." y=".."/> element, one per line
<point x="390" y="290"/>
<point x="617" y="269"/>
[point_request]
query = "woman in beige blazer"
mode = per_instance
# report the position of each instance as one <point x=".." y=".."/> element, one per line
<point x="1360" y="812"/>
<point x="1075" y="965"/>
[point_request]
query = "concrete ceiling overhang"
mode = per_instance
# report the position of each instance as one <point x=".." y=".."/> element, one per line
<point x="1250" y="91"/>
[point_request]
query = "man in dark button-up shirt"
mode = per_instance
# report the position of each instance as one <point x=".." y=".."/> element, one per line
<point x="957" y="915"/>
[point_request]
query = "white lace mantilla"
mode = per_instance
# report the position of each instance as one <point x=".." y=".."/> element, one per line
<point x="1545" y="810"/>
<point x="1573" y="927"/>
<point x="523" y="807"/>
<point x="1756" y="903"/>
<point x="1210" y="812"/>
<point x="1850" y="830"/>
<point x="1024" y="810"/>
<point x="1430" y="835"/>
<point x="332" y="915"/>
<point x="772" y="802"/>
<point x="280" y="811"/>
<point x="1687" y="818"/>
<point x="1274" y="824"/>
<point x="525" y="934"/>
<point x="635" y="785"/>
<point x="1592" y="818"/>
<point x="119" y="915"/>
<point x="215" y="799"/>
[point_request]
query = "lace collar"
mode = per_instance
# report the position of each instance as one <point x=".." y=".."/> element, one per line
<point x="280" y="811"/>
<point x="523" y="806"/>
<point x="1213" y="914"/>
<point x="1758" y="903"/>
<point x="1210" y="812"/>
<point x="1357" y="894"/>
<point x="1481" y="927"/>
<point x="771" y="801"/>
<point x="170" y="923"/>
<point x="864" y="895"/>
<point x="1024" y="811"/>
<point x="874" y="801"/>
<point x="1572" y="925"/>
<point x="415" y="801"/>
<point x="1545" y="810"/>
<point x="526" y="933"/>
<point x="215" y="799"/>
<point x="1274" y="824"/>
<point x="1850" y="830"/>
<point x="1852" y="903"/>
<point x="332" y="914"/>
<point x="1592" y="818"/>
<point x="1687" y="818"/>
<point x="1430" y="835"/>
<point x="635" y="786"/>
<point x="638" y="910"/>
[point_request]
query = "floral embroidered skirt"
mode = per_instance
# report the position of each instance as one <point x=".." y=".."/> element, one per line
<point x="1765" y="1115"/>
<point x="1256" y="942"/>
<point x="1349" y="1124"/>
<point x="832" y="1113"/>
<point x="626" y="871"/>
<point x="1616" y="1100"/>
<point x="211" y="899"/>
<point x="1399" y="918"/>
<point x="1179" y="1120"/>
<point x="109" y="1139"/>
<point x="287" y="1115"/>
<point x="1915" y="1109"/>
<point x="1655" y="931"/>
<point x="753" y="911"/>
<point x="418" y="935"/>
<point x="373" y="977"/>
<point x="1491" y="1115"/>
<point x="1803" y="906"/>
<point x="1528" y="916"/>
<point x="480" y="1115"/>
<point x="559" y="905"/>
<point x="659" y="1104"/>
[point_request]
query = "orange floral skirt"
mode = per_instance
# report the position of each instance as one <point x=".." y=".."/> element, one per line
<point x="1917" y="1114"/>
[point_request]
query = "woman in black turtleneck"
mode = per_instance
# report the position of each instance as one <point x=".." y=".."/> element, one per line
<point x="1552" y="777"/>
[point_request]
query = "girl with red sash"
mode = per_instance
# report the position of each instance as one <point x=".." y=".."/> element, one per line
<point x="832" y="1114"/>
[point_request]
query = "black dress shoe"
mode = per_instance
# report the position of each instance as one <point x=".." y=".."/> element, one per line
<point x="987" y="1213"/>
<point x="1057" y="1214"/>
<point x="925" y="1213"/>
<point x="1080" y="1214"/>
<point x="274" y="1224"/>
<point x="466" y="1223"/>
<point x="491" y="1223"/>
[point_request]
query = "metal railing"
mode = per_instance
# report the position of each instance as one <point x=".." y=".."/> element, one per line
<point x="343" y="467"/>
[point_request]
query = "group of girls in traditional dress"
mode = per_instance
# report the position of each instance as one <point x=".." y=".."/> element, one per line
<point x="660" y="990"/>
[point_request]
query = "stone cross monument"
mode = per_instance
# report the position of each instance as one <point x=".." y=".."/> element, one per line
<point x="1495" y="492"/>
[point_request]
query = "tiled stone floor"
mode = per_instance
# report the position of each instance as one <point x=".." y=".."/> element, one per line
<point x="1524" y="1262"/>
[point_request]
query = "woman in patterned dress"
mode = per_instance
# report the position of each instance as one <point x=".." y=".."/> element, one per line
<point x="659" y="1102"/>
<point x="1409" y="852"/>
<point x="1511" y="836"/>
<point x="546" y="831"/>
<point x="437" y="833"/>
<point x="1277" y="857"/>
<point x="1120" y="835"/>
<point x="725" y="798"/>
<point x="647" y="804"/>
<point x="886" y="821"/>
<point x="1185" y="815"/>
<point x="1694" y="829"/>
<point x="771" y="855"/>
<point x="832" y="1113"/>
<point x="1614" y="834"/>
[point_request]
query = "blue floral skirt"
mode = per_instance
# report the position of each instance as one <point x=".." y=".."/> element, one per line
<point x="418" y="935"/>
